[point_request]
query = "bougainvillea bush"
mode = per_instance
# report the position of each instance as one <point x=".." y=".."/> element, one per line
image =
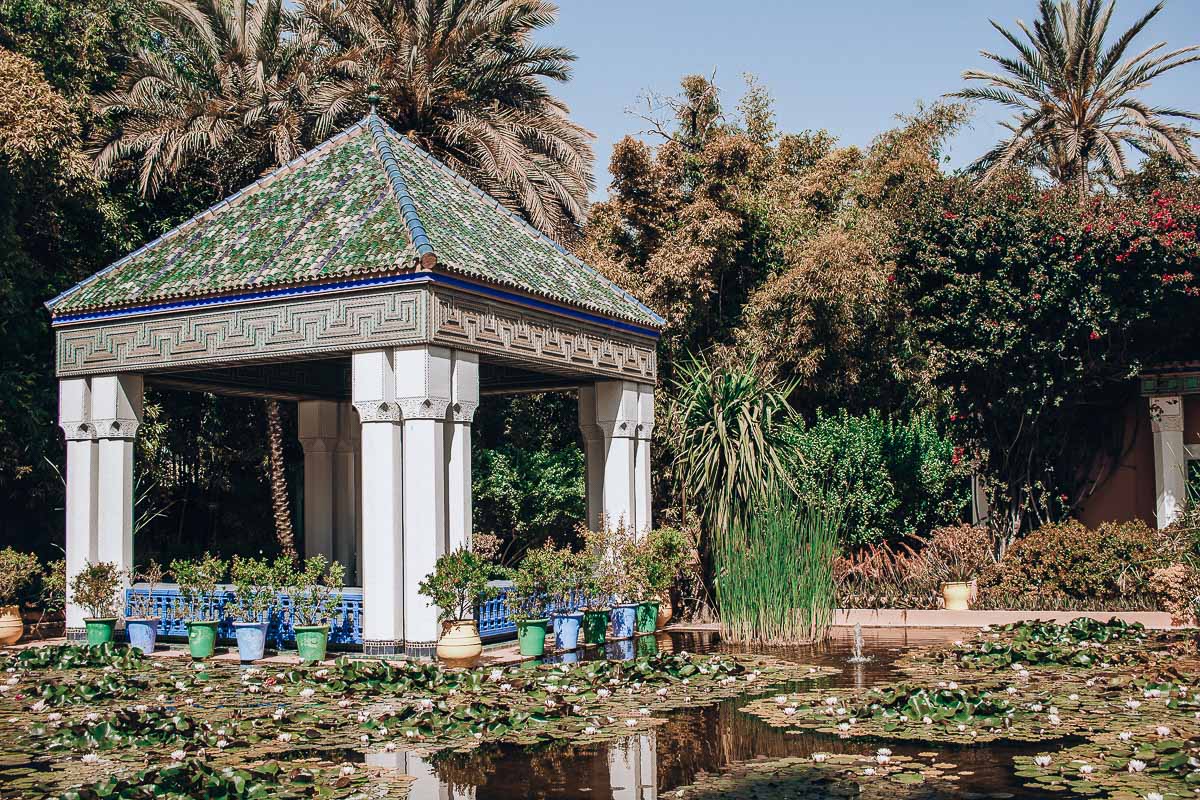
<point x="1036" y="311"/>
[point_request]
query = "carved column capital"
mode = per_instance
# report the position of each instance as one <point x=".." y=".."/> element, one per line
<point x="1166" y="414"/>
<point x="618" y="428"/>
<point x="423" y="407"/>
<point x="464" y="411"/>
<point x="78" y="430"/>
<point x="645" y="430"/>
<point x="377" y="411"/>
<point x="318" y="444"/>
<point x="116" y="428"/>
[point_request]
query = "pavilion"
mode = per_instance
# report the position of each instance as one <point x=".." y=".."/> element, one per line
<point x="383" y="293"/>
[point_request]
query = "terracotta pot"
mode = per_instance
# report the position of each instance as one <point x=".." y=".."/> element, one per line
<point x="11" y="625"/>
<point x="459" y="640"/>
<point x="957" y="596"/>
<point x="665" y="611"/>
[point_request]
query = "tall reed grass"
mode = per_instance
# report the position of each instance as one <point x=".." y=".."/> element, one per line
<point x="775" y="582"/>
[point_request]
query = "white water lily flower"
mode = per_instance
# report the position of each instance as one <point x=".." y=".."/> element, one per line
<point x="307" y="691"/>
<point x="221" y="743"/>
<point x="645" y="712"/>
<point x="1135" y="765"/>
<point x="284" y="737"/>
<point x="589" y="730"/>
<point x="179" y="755"/>
<point x="819" y="757"/>
<point x="662" y="692"/>
<point x="780" y="699"/>
<point x="426" y="704"/>
<point x="831" y="701"/>
<point x="364" y="738"/>
<point x="348" y="769"/>
<point x="1042" y="760"/>
<point x="926" y="720"/>
<point x="1163" y="730"/>
<point x="843" y="726"/>
<point x="506" y="687"/>
<point x="882" y="759"/>
<point x="54" y="717"/>
<point x="789" y="710"/>
<point x="1154" y="796"/>
<point x="1011" y="690"/>
<point x="1133" y="705"/>
<point x="602" y="693"/>
<point x="89" y="758"/>
<point x="631" y="723"/>
<point x="869" y="771"/>
<point x="181" y="686"/>
<point x="1086" y="769"/>
<point x="1036" y="707"/>
<point x="343" y="703"/>
<point x="390" y="747"/>
<point x="495" y="675"/>
<point x="1054" y="719"/>
<point x="1124" y="736"/>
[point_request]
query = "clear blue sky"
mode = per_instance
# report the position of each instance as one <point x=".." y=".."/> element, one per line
<point x="848" y="66"/>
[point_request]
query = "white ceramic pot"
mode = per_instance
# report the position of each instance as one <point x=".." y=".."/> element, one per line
<point x="459" y="640"/>
<point x="957" y="596"/>
<point x="11" y="625"/>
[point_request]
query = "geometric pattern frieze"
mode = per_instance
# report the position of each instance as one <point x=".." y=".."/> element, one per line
<point x="271" y="330"/>
<point x="528" y="337"/>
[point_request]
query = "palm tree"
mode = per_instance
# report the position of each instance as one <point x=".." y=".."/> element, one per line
<point x="1076" y="97"/>
<point x="221" y="80"/>
<point x="464" y="80"/>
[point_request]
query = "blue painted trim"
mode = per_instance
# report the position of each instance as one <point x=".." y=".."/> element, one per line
<point x="339" y="286"/>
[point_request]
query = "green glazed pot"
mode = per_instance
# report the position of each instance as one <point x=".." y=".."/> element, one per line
<point x="595" y="626"/>
<point x="647" y="616"/>
<point x="202" y="637"/>
<point x="99" y="631"/>
<point x="311" y="641"/>
<point x="531" y="636"/>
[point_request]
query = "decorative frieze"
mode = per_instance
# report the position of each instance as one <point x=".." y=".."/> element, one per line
<point x="532" y="338"/>
<point x="272" y="330"/>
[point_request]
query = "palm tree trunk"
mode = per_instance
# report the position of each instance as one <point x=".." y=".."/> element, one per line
<point x="279" y="490"/>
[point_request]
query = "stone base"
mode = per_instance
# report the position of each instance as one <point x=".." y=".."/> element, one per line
<point x="420" y="649"/>
<point x="383" y="647"/>
<point x="76" y="634"/>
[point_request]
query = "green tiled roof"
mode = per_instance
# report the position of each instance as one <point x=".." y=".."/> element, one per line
<point x="366" y="202"/>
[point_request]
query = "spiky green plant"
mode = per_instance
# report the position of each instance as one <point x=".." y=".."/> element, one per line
<point x="775" y="582"/>
<point x="728" y="427"/>
<point x="1076" y="98"/>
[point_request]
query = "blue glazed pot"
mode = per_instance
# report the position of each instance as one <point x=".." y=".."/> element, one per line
<point x="622" y="650"/>
<point x="251" y="640"/>
<point x="624" y="620"/>
<point x="143" y="633"/>
<point x="566" y="630"/>
<point x="556" y="622"/>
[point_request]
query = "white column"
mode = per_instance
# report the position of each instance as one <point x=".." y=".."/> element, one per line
<point x="643" y="501"/>
<point x="593" y="455"/>
<point x="633" y="768"/>
<point x="423" y="392"/>
<point x="425" y="784"/>
<point x="617" y="416"/>
<point x="374" y="394"/>
<point x="74" y="417"/>
<point x="464" y="399"/>
<point x="1170" y="460"/>
<point x="345" y="492"/>
<point x="116" y="414"/>
<point x="317" y="430"/>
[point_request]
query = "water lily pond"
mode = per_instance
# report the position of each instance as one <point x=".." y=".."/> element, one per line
<point x="1081" y="710"/>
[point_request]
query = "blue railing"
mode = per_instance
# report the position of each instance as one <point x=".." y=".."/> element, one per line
<point x="345" y="627"/>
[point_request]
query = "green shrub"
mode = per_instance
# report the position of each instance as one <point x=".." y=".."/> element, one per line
<point x="896" y="478"/>
<point x="1067" y="561"/>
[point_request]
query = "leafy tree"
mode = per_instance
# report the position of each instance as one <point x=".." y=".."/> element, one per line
<point x="56" y="227"/>
<point x="1076" y="96"/>
<point x="1037" y="312"/>
<point x="224" y="82"/>
<point x="465" y="80"/>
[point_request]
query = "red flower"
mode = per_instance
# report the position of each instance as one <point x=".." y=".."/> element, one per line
<point x="891" y="278"/>
<point x="1037" y="296"/>
<point x="949" y="215"/>
<point x="1093" y="336"/>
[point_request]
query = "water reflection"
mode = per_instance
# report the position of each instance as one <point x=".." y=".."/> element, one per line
<point x="694" y="740"/>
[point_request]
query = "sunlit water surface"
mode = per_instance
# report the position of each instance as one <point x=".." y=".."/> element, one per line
<point x="699" y="740"/>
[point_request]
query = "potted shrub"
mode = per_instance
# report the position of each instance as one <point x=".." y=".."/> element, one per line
<point x="95" y="588"/>
<point x="956" y="555"/>
<point x="457" y="585"/>
<point x="599" y="584"/>
<point x="530" y="596"/>
<point x="661" y="554"/>
<point x="17" y="570"/>
<point x="141" y="625"/>
<point x="256" y="586"/>
<point x="567" y="587"/>
<point x="53" y="596"/>
<point x="628" y="582"/>
<point x="316" y="594"/>
<point x="201" y="607"/>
